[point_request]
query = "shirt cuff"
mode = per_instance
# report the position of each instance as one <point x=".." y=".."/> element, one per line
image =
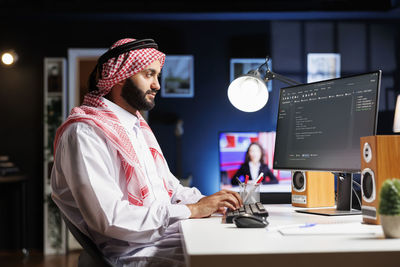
<point x="178" y="212"/>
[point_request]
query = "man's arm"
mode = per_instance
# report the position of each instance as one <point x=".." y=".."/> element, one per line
<point x="200" y="205"/>
<point x="183" y="194"/>
<point x="215" y="203"/>
<point x="87" y="177"/>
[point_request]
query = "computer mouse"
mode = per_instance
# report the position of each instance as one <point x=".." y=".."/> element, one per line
<point x="249" y="221"/>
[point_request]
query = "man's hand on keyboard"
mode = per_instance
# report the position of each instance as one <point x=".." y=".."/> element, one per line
<point x="215" y="203"/>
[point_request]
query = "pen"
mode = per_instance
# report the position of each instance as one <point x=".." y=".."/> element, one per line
<point x="307" y="225"/>
<point x="260" y="178"/>
<point x="240" y="182"/>
<point x="246" y="179"/>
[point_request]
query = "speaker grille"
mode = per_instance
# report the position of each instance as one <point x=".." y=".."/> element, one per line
<point x="368" y="185"/>
<point x="298" y="180"/>
<point x="368" y="188"/>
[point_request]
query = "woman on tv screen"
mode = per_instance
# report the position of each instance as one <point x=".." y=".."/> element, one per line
<point x="254" y="165"/>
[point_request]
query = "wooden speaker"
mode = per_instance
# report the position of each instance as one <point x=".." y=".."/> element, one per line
<point x="380" y="157"/>
<point x="313" y="189"/>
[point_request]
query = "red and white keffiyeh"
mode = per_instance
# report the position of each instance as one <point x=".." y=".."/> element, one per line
<point x="96" y="113"/>
<point x="126" y="65"/>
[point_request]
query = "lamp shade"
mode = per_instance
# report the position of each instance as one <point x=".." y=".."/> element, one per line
<point x="396" y="121"/>
<point x="248" y="93"/>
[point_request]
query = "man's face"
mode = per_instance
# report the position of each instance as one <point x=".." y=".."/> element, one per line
<point x="140" y="90"/>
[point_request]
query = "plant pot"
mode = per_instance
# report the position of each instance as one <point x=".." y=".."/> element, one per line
<point x="391" y="225"/>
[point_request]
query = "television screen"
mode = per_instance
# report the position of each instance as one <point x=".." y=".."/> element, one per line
<point x="235" y="161"/>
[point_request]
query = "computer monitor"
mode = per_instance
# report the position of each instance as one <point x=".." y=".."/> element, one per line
<point x="232" y="156"/>
<point x="319" y="126"/>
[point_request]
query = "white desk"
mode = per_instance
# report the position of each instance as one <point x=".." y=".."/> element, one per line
<point x="208" y="242"/>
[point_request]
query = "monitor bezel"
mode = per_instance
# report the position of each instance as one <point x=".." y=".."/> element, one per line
<point x="342" y="170"/>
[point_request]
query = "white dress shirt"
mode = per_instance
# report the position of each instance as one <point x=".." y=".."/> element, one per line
<point x="89" y="186"/>
<point x="254" y="169"/>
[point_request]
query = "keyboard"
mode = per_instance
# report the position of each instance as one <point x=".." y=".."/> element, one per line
<point x="256" y="209"/>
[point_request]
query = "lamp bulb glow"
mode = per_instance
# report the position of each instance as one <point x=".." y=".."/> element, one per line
<point x="248" y="93"/>
<point x="8" y="58"/>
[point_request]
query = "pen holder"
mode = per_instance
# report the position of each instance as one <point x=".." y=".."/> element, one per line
<point x="250" y="192"/>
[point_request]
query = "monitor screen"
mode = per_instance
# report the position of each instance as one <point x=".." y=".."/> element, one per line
<point x="319" y="124"/>
<point x="234" y="164"/>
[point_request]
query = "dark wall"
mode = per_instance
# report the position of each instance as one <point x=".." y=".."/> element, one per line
<point x="369" y="45"/>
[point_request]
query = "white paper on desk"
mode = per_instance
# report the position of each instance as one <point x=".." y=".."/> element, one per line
<point x="333" y="229"/>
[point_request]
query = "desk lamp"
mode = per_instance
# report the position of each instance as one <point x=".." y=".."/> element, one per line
<point x="396" y="122"/>
<point x="249" y="92"/>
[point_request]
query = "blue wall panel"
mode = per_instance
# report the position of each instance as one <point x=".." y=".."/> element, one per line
<point x="352" y="46"/>
<point x="319" y="37"/>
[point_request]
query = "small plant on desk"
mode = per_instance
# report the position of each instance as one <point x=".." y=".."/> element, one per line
<point x="389" y="208"/>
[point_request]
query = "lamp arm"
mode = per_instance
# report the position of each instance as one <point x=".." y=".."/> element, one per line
<point x="269" y="75"/>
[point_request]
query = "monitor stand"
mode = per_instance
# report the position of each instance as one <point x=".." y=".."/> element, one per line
<point x="344" y="199"/>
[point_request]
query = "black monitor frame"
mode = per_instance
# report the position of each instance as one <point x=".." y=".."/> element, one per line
<point x="345" y="175"/>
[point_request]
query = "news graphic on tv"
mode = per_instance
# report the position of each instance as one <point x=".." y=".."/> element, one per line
<point x="249" y="155"/>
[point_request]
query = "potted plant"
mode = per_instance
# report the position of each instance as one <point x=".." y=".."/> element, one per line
<point x="389" y="208"/>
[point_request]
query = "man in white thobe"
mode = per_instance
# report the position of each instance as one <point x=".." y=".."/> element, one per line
<point x="110" y="178"/>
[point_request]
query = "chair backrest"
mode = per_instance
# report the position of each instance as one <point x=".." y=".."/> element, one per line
<point x="88" y="245"/>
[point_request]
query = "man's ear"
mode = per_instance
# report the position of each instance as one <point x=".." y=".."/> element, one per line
<point x="115" y="92"/>
<point x="121" y="83"/>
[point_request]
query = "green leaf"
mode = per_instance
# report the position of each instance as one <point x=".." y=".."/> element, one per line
<point x="390" y="197"/>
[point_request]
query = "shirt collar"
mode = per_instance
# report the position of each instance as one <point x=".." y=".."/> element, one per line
<point x="126" y="118"/>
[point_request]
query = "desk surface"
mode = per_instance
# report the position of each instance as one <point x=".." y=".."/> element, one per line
<point x="208" y="242"/>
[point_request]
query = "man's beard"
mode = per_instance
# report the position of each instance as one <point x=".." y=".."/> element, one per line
<point x="135" y="97"/>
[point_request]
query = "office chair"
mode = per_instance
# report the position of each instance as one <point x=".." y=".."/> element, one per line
<point x="91" y="256"/>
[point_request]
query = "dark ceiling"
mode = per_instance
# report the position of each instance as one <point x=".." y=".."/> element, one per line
<point x="132" y="6"/>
